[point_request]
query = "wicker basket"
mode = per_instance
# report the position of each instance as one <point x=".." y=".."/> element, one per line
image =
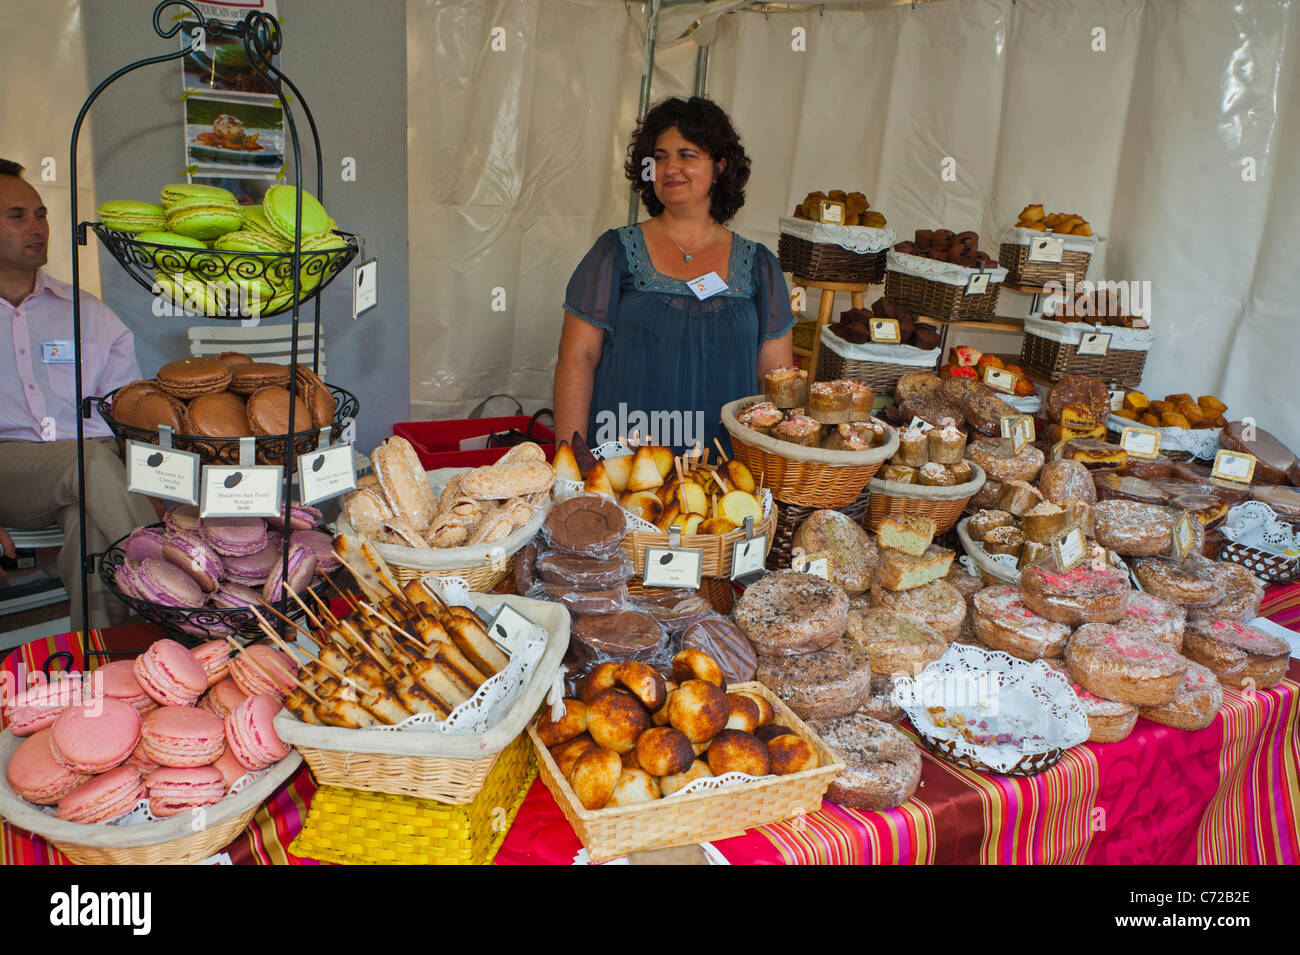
<point x="698" y="817"/>
<point x="944" y="504"/>
<point x="715" y="549"/>
<point x="991" y="571"/>
<point x="792" y="515"/>
<point x="1120" y="367"/>
<point x="362" y="828"/>
<point x="1274" y="568"/>
<point x="931" y="298"/>
<point x="166" y="842"/>
<point x="827" y="262"/>
<point x="719" y="593"/>
<point x="1014" y="257"/>
<point x="882" y="376"/>
<point x="1029" y="765"/>
<point x="810" y="477"/>
<point x="448" y="768"/>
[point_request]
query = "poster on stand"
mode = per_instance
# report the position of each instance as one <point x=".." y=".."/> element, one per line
<point x="234" y="136"/>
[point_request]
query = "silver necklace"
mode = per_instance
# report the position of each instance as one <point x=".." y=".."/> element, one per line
<point x="688" y="256"/>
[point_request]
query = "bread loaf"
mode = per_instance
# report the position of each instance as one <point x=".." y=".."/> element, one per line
<point x="830" y="682"/>
<point x="882" y="767"/>
<point x="787" y="613"/>
<point x="853" y="554"/>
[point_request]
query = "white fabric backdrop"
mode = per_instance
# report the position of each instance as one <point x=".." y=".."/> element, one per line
<point x="42" y="86"/>
<point x="515" y="160"/>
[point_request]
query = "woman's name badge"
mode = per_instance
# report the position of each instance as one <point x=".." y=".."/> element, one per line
<point x="707" y="285"/>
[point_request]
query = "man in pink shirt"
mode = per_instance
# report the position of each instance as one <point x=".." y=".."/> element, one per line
<point x="38" y="401"/>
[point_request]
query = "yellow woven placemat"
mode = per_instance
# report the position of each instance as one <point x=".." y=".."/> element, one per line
<point x="352" y="827"/>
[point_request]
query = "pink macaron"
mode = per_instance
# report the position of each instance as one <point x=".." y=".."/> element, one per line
<point x="214" y="657"/>
<point x="174" y="791"/>
<point x="145" y="543"/>
<point x="251" y="570"/>
<point x="235" y="536"/>
<point x="320" y="544"/>
<point x="228" y="766"/>
<point x="103" y="798"/>
<point x="96" y="737"/>
<point x="266" y="670"/>
<point x="223" y="698"/>
<point x="233" y="596"/>
<point x="251" y="735"/>
<point x="302" y="567"/>
<point x="302" y="517"/>
<point x="37" y="707"/>
<point x="117" y="681"/>
<point x="162" y="582"/>
<point x="36" y="775"/>
<point x="182" y="736"/>
<point x="140" y="759"/>
<point x="170" y="674"/>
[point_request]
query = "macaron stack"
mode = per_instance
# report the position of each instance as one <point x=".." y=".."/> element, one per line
<point x="99" y="758"/>
<point x="225" y="563"/>
<point x="239" y="275"/>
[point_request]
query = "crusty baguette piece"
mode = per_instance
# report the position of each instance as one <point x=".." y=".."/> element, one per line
<point x="473" y="641"/>
<point x="402" y="478"/>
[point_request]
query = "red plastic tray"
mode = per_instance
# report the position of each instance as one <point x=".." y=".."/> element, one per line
<point x="438" y="442"/>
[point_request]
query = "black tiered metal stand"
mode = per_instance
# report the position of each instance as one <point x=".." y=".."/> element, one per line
<point x="262" y="41"/>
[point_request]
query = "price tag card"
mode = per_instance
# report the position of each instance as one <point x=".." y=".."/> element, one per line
<point x="1058" y="449"/>
<point x="509" y="628"/>
<point x="666" y="567"/>
<point x="1019" y="428"/>
<point x="1094" y="343"/>
<point x="1048" y="248"/>
<point x="1183" y="537"/>
<point x="1140" y="442"/>
<point x="999" y="379"/>
<point x="1233" y="466"/>
<point x="748" y="556"/>
<point x="885" y="330"/>
<point x="832" y="212"/>
<point x="978" y="283"/>
<point x="1117" y="400"/>
<point x="818" y="564"/>
<point x="241" y="492"/>
<point x="325" y="474"/>
<point x="922" y="424"/>
<point x="162" y="472"/>
<point x="365" y="287"/>
<point x="1070" y="548"/>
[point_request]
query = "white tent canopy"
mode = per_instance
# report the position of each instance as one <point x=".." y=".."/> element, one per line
<point x="1168" y="125"/>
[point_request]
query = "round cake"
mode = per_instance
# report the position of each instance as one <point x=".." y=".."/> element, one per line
<point x="1237" y="653"/>
<point x="1083" y="595"/>
<point x="1062" y="481"/>
<point x="894" y="642"/>
<point x="835" y="681"/>
<point x="787" y="613"/>
<point x="1196" y="704"/>
<point x="1109" y="721"/>
<point x="880" y="704"/>
<point x="938" y="604"/>
<point x="628" y="635"/>
<point x="882" y="767"/>
<point x="1124" y="666"/>
<point x="1196" y="582"/>
<point x="1242" y="594"/>
<point x="1153" y="617"/>
<point x="999" y="464"/>
<point x="1133" y="530"/>
<point x="586" y="525"/>
<point x="1003" y="622"/>
<point x="853" y="554"/>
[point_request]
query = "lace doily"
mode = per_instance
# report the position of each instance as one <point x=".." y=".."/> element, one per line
<point x="1073" y="243"/>
<point x="853" y="238"/>
<point x="936" y="271"/>
<point x="1202" y="443"/>
<point x="1255" y="524"/>
<point x="1071" y="333"/>
<point x="1027" y="707"/>
<point x="872" y="351"/>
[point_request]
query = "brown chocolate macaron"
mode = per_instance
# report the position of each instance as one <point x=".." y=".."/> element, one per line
<point x="316" y="393"/>
<point x="128" y="396"/>
<point x="268" y="412"/>
<point x="246" y="379"/>
<point x="222" y="415"/>
<point x="190" y="377"/>
<point x="235" y="358"/>
<point x="157" y="409"/>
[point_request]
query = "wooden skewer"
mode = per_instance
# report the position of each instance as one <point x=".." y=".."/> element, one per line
<point x="326" y="613"/>
<point x="722" y="454"/>
<point x="305" y="609"/>
<point x="270" y="632"/>
<point x="388" y="621"/>
<point x="235" y="644"/>
<point x="298" y="627"/>
<point x="351" y="600"/>
<point x="437" y="597"/>
<point x="722" y="482"/>
<point x="355" y="634"/>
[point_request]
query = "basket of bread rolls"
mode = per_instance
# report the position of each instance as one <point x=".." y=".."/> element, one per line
<point x="708" y="503"/>
<point x="1089" y="334"/>
<point x="835" y="237"/>
<point x="1028" y="264"/>
<point x="459" y="522"/>
<point x="642" y="763"/>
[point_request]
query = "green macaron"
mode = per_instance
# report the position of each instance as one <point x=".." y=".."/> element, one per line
<point x="189" y="294"/>
<point x="183" y="192"/>
<point x="131" y="215"/>
<point x="172" y="259"/>
<point x="279" y="205"/>
<point x="202" y="221"/>
<point x="249" y="270"/>
<point x="255" y="224"/>
<point x="319" y="263"/>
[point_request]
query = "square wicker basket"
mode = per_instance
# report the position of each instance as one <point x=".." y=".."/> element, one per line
<point x="698" y="817"/>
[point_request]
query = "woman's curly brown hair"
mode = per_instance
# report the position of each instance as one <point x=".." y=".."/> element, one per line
<point x="704" y="123"/>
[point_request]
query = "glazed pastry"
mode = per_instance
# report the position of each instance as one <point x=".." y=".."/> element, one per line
<point x="800" y="430"/>
<point x="827" y="404"/>
<point x="786" y="387"/>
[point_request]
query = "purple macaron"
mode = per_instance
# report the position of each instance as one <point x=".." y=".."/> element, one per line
<point x="302" y="517"/>
<point x="320" y="544"/>
<point x="145" y="543"/>
<point x="196" y="558"/>
<point x="232" y="596"/>
<point x="235" y="536"/>
<point x="162" y="582"/>
<point x="251" y="570"/>
<point x="302" y="567"/>
<point x="183" y="518"/>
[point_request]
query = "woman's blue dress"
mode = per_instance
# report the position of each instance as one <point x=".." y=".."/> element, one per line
<point x="671" y="361"/>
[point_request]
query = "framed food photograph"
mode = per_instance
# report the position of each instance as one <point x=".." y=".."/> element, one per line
<point x="235" y="135"/>
<point x="221" y="65"/>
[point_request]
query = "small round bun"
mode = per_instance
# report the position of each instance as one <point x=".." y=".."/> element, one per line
<point x="699" y="710"/>
<point x="765" y="711"/>
<point x="615" y="718"/>
<point x="732" y="751"/>
<point x="634" y="786"/>
<point x="630" y="761"/>
<point x="601" y="678"/>
<point x="771" y="731"/>
<point x="744" y="713"/>
<point x="644" y="682"/>
<point x="569" y="726"/>
<point x="791" y="754"/>
<point x="664" y="751"/>
<point x="671" y="784"/>
<point x="660" y="716"/>
<point x="697" y="665"/>
<point x="595" y="775"/>
<point x="567" y="754"/>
